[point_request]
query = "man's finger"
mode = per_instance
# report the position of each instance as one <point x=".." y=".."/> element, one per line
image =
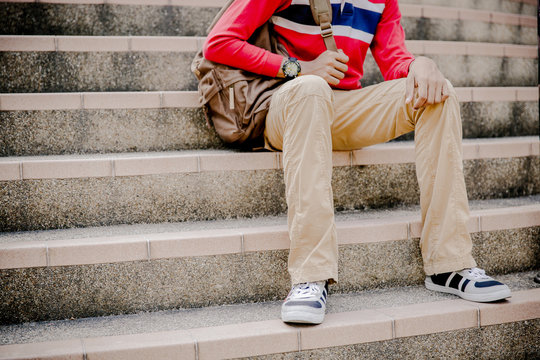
<point x="342" y="57"/>
<point x="431" y="90"/>
<point x="337" y="74"/>
<point x="438" y="93"/>
<point x="340" y="66"/>
<point x="409" y="89"/>
<point x="445" y="91"/>
<point x="331" y="80"/>
<point x="422" y="95"/>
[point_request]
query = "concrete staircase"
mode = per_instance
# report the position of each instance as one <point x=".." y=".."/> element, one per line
<point x="130" y="232"/>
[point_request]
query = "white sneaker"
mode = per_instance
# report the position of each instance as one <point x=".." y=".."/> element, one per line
<point x="305" y="304"/>
<point x="469" y="284"/>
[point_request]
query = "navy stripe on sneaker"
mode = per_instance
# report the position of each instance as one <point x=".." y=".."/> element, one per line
<point x="454" y="283"/>
<point x="440" y="279"/>
<point x="484" y="284"/>
<point x="465" y="284"/>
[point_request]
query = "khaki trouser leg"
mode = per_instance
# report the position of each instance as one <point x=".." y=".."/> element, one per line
<point x="299" y="122"/>
<point x="305" y="113"/>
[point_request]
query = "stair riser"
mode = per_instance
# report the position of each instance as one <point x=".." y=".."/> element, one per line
<point x="464" y="30"/>
<point x="159" y="71"/>
<point x="88" y="19"/>
<point x="105" y="131"/>
<point x="79" y="202"/>
<point x="36" y="294"/>
<point x="126" y="130"/>
<point x="505" y="6"/>
<point x="69" y="19"/>
<point x="516" y="340"/>
<point x="102" y="71"/>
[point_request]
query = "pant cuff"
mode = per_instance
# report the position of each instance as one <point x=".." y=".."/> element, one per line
<point x="449" y="265"/>
<point x="314" y="274"/>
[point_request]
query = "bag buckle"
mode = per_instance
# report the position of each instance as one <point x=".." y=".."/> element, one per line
<point x="326" y="30"/>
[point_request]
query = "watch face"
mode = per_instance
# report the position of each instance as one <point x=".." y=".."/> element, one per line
<point x="290" y="69"/>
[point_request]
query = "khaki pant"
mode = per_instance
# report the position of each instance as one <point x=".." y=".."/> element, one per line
<point x="307" y="120"/>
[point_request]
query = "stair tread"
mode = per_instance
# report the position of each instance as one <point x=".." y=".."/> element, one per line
<point x="168" y="99"/>
<point x="393" y="145"/>
<point x="197" y="161"/>
<point x="428" y="11"/>
<point x="82" y="43"/>
<point x="174" y="320"/>
<point x="244" y="223"/>
<point x="121" y="243"/>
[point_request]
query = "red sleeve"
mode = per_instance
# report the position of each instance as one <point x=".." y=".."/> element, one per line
<point x="388" y="45"/>
<point x="227" y="42"/>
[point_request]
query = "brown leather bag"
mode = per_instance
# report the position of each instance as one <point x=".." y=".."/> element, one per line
<point x="236" y="101"/>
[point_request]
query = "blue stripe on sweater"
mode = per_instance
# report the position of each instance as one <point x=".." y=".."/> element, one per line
<point x="356" y="18"/>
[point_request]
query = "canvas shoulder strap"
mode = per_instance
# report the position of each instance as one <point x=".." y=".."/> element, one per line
<point x="322" y="13"/>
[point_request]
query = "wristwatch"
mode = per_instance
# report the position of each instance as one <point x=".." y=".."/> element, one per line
<point x="291" y="68"/>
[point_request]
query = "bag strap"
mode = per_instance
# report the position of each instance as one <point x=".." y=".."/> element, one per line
<point x="322" y="14"/>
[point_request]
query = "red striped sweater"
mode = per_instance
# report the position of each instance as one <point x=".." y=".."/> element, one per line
<point x="357" y="24"/>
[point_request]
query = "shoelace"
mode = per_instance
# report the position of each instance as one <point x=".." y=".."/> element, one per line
<point x="478" y="273"/>
<point x="304" y="290"/>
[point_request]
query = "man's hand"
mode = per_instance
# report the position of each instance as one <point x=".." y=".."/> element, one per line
<point x="330" y="65"/>
<point x="429" y="82"/>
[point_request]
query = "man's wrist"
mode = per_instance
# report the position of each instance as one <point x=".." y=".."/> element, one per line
<point x="291" y="68"/>
<point x="410" y="65"/>
<point x="280" y="73"/>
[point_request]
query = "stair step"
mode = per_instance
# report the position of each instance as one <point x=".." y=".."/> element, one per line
<point x="192" y="18"/>
<point x="370" y="323"/>
<point x="18" y="252"/>
<point x="202" y="161"/>
<point x="190" y="99"/>
<point x="95" y="272"/>
<point x="76" y="191"/>
<point x="524" y="7"/>
<point x="85" y="63"/>
<point x="64" y="123"/>
<point x="507" y="6"/>
<point x="191" y="44"/>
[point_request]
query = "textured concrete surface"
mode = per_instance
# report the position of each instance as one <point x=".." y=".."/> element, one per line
<point x="499" y="119"/>
<point x="506" y="177"/>
<point x="506" y="6"/>
<point x="95" y="71"/>
<point x="70" y="19"/>
<point x="242" y="223"/>
<point x="97" y="290"/>
<point x="459" y="30"/>
<point x="63" y="203"/>
<point x="505" y="341"/>
<point x="227" y="314"/>
<point x="37" y="294"/>
<point x="153" y="71"/>
<point x="55" y="19"/>
<point x="463" y="70"/>
<point x="54" y="132"/>
<point x="146" y="199"/>
<point x="104" y="131"/>
<point x="507" y="250"/>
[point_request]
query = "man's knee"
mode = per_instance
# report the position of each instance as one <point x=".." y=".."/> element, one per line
<point x="306" y="87"/>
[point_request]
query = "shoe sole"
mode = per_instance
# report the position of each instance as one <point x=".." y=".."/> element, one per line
<point x="301" y="317"/>
<point x="494" y="296"/>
